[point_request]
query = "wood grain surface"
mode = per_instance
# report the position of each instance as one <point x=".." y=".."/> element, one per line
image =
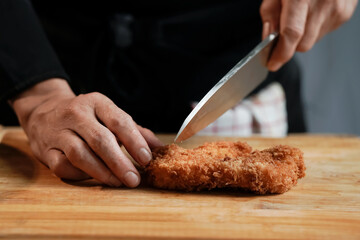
<point x="34" y="204"/>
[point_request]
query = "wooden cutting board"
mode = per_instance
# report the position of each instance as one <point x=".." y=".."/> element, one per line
<point x="34" y="204"/>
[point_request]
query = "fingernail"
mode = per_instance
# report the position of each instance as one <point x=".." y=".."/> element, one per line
<point x="144" y="156"/>
<point x="131" y="179"/>
<point x="114" y="181"/>
<point x="266" y="30"/>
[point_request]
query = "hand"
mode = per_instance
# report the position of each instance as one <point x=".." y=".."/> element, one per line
<point x="301" y="24"/>
<point x="79" y="137"/>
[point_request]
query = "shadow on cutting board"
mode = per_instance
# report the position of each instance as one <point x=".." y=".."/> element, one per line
<point x="146" y="188"/>
<point x="16" y="167"/>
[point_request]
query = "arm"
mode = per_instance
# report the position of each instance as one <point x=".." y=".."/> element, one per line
<point x="75" y="136"/>
<point x="301" y="24"/>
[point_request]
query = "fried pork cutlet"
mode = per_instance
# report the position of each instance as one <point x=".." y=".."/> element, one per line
<point x="226" y="164"/>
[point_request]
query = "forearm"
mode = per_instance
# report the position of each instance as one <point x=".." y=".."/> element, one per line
<point x="27" y="101"/>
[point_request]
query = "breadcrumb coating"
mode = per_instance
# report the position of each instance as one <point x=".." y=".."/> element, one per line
<point x="226" y="164"/>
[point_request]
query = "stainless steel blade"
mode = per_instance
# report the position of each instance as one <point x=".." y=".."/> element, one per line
<point x="244" y="77"/>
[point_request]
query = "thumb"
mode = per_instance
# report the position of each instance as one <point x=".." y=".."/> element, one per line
<point x="270" y="15"/>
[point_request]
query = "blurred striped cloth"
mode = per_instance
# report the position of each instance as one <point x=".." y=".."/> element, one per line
<point x="262" y="114"/>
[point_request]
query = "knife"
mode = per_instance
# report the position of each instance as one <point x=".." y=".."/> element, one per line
<point x="244" y="77"/>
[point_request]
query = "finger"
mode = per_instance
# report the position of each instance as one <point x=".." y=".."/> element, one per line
<point x="150" y="137"/>
<point x="61" y="167"/>
<point x="292" y="26"/>
<point x="104" y="144"/>
<point x="125" y="129"/>
<point x="270" y="16"/>
<point x="80" y="156"/>
<point x="340" y="13"/>
<point x="314" y="24"/>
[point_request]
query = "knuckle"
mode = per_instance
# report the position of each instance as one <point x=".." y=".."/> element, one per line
<point x="115" y="123"/>
<point x="340" y="11"/>
<point x="72" y="111"/>
<point x="264" y="9"/>
<point x="304" y="47"/>
<point x="124" y="122"/>
<point x="127" y="120"/>
<point x="96" y="139"/>
<point x="77" y="108"/>
<point x="99" y="140"/>
<point x="269" y="10"/>
<point x="96" y="135"/>
<point x="134" y="132"/>
<point x="69" y="111"/>
<point x="344" y="17"/>
<point x="338" y="7"/>
<point x="292" y="32"/>
<point x="95" y="95"/>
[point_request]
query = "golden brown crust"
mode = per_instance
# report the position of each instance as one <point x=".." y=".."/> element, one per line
<point x="226" y="164"/>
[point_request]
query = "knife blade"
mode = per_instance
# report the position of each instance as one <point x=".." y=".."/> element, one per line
<point x="244" y="77"/>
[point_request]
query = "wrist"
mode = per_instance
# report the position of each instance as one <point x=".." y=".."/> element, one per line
<point x="27" y="101"/>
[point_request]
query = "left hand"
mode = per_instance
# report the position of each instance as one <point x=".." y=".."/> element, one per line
<point x="301" y="23"/>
